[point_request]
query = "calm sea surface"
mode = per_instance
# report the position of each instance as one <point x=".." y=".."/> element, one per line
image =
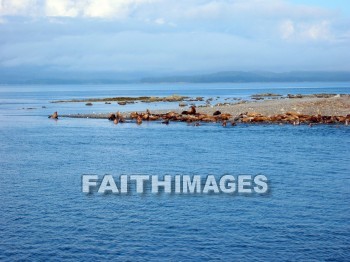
<point x="45" y="216"/>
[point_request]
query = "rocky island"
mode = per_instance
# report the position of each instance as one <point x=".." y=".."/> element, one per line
<point x="293" y="109"/>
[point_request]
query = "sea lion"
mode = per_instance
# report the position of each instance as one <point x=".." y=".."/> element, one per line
<point x="216" y="113"/>
<point x="209" y="119"/>
<point x="116" y="121"/>
<point x="134" y="115"/>
<point x="247" y="119"/>
<point x="224" y="123"/>
<point x="171" y="116"/>
<point x="341" y="118"/>
<point x="54" y="115"/>
<point x="139" y="120"/>
<point x="111" y="117"/>
<point x="260" y="119"/>
<point x="314" y="119"/>
<point x="145" y="116"/>
<point x="166" y="122"/>
<point x="153" y="117"/>
<point x="120" y="117"/>
<point x="192" y="111"/>
<point x="253" y="114"/>
<point x="225" y="116"/>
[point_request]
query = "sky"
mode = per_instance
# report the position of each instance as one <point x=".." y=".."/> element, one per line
<point x="175" y="36"/>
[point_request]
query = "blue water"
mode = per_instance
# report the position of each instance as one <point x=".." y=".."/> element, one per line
<point x="45" y="216"/>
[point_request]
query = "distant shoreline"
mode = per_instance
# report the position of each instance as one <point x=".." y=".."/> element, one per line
<point x="40" y="77"/>
<point x="64" y="83"/>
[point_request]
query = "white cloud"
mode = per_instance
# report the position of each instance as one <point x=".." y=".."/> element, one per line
<point x="170" y="34"/>
<point x="61" y="8"/>
<point x="71" y="8"/>
<point x="104" y="8"/>
<point x="302" y="31"/>
<point x="159" y="21"/>
<point x="88" y="8"/>
<point x="318" y="31"/>
<point x="287" y="29"/>
<point x="19" y="7"/>
<point x="175" y="9"/>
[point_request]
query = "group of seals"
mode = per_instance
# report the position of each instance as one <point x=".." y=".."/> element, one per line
<point x="292" y="118"/>
<point x="192" y="116"/>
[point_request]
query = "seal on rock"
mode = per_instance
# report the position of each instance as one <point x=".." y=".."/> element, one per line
<point x="54" y="115"/>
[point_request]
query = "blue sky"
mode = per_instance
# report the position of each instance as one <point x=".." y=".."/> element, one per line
<point x="343" y="5"/>
<point x="175" y="35"/>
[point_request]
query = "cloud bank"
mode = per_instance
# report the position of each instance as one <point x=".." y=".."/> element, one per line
<point x="173" y="36"/>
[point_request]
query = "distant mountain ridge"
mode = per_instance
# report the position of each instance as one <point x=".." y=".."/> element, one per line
<point x="240" y="77"/>
<point x="40" y="75"/>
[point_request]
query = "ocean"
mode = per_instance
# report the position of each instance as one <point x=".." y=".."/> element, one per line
<point x="46" y="216"/>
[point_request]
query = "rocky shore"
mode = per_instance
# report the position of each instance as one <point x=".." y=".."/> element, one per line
<point x="331" y="106"/>
<point x="307" y="109"/>
<point x="126" y="100"/>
